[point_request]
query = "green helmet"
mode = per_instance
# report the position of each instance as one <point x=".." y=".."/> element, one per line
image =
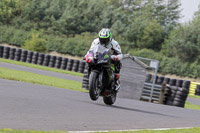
<point x="105" y="36"/>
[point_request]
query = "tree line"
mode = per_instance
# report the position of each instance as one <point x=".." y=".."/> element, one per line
<point x="146" y="28"/>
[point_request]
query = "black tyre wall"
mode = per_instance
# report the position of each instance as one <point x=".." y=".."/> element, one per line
<point x="6" y="52"/>
<point x="197" y="91"/>
<point x="29" y="57"/>
<point x="18" y="54"/>
<point x="46" y="60"/>
<point x="12" y="53"/>
<point x="75" y="65"/>
<point x="24" y="55"/>
<point x="58" y="62"/>
<point x="179" y="83"/>
<point x="166" y="80"/>
<point x="52" y="61"/>
<point x="160" y="80"/>
<point x="81" y="67"/>
<point x="35" y="57"/>
<point x="172" y="82"/>
<point x="40" y="59"/>
<point x="70" y="64"/>
<point x="1" y="51"/>
<point x="186" y="84"/>
<point x="64" y="63"/>
<point x="148" y="78"/>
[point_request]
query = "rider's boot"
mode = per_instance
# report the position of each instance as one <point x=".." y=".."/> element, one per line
<point x="117" y="82"/>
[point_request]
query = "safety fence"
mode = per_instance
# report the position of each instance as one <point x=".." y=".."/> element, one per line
<point x="47" y="60"/>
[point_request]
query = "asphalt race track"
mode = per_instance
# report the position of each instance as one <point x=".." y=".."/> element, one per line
<point x="36" y="107"/>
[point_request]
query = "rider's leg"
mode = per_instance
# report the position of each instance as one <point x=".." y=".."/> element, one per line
<point x="117" y="75"/>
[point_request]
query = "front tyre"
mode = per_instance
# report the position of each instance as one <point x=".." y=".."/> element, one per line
<point x="94" y="90"/>
<point x="110" y="100"/>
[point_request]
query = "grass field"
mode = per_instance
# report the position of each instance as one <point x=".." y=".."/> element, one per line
<point x="41" y="67"/>
<point x="189" y="130"/>
<point x="39" y="79"/>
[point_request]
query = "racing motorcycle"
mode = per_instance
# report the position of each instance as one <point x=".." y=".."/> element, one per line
<point x="101" y="74"/>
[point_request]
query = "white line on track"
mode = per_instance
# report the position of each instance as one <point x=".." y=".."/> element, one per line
<point x="128" y="130"/>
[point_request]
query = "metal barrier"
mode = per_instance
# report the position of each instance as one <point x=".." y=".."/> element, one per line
<point x="149" y="93"/>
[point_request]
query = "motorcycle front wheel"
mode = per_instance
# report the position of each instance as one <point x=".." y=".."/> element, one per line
<point x="94" y="90"/>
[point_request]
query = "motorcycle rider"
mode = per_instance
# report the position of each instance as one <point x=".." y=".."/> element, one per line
<point x="105" y="39"/>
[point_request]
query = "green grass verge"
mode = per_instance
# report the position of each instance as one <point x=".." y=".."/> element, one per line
<point x="189" y="130"/>
<point x="41" y="67"/>
<point x="39" y="79"/>
<point x="192" y="106"/>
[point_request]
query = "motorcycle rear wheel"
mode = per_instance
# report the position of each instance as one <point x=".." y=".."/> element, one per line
<point x="94" y="90"/>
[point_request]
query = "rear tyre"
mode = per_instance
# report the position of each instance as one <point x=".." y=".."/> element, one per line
<point x="94" y="90"/>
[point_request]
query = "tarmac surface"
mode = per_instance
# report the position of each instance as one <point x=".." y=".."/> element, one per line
<point x="37" y="107"/>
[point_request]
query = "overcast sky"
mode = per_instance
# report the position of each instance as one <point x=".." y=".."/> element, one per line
<point x="188" y="9"/>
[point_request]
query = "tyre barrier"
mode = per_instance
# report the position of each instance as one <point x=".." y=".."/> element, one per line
<point x="46" y="60"/>
<point x="12" y="53"/>
<point x="148" y="78"/>
<point x="64" y="63"/>
<point x="1" y="51"/>
<point x="35" y="57"/>
<point x="75" y="65"/>
<point x="172" y="82"/>
<point x="6" y="52"/>
<point x="85" y="82"/>
<point x="18" y="54"/>
<point x="81" y="67"/>
<point x="177" y="96"/>
<point x="179" y="83"/>
<point x="70" y="64"/>
<point x="186" y="84"/>
<point x="58" y="62"/>
<point x="197" y="91"/>
<point x="160" y="80"/>
<point x="24" y="55"/>
<point x="52" y="61"/>
<point x="166" y="80"/>
<point x="40" y="59"/>
<point x="29" y="57"/>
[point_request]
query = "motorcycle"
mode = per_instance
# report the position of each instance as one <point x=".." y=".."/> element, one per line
<point x="101" y="74"/>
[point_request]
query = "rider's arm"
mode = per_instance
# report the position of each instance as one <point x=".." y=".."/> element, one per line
<point x="117" y="51"/>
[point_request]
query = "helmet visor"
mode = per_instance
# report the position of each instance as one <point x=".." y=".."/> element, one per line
<point x="104" y="41"/>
